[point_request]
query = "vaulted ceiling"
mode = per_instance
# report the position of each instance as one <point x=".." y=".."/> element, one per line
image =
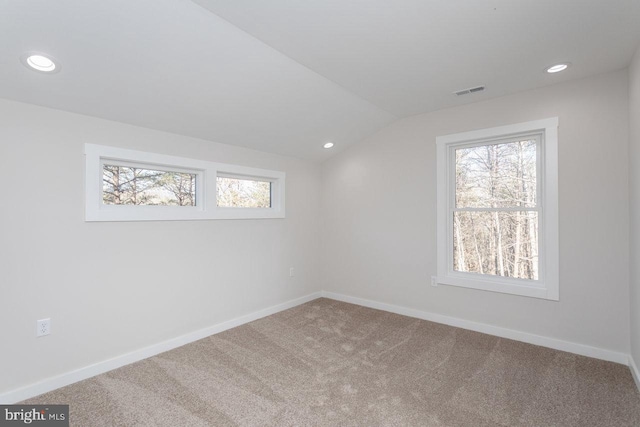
<point x="285" y="76"/>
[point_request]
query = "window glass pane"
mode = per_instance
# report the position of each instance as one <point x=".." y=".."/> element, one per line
<point x="496" y="243"/>
<point x="125" y="185"/>
<point x="243" y="193"/>
<point x="496" y="175"/>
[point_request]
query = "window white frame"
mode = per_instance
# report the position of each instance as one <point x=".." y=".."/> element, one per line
<point x="206" y="198"/>
<point x="547" y="285"/>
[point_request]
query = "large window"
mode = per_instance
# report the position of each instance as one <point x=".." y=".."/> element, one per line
<point x="128" y="185"/>
<point x="497" y="209"/>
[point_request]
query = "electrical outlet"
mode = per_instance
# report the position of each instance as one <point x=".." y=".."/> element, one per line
<point x="43" y="327"/>
<point x="291" y="272"/>
<point x="434" y="281"/>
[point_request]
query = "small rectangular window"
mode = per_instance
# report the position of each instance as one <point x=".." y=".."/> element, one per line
<point x="141" y="186"/>
<point x="498" y="209"/>
<point x="243" y="192"/>
<point x="128" y="185"/>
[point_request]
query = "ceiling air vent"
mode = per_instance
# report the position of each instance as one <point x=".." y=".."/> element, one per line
<point x="470" y="90"/>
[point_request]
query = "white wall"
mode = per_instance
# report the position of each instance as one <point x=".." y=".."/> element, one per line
<point x="379" y="215"/>
<point x="111" y="288"/>
<point x="634" y="195"/>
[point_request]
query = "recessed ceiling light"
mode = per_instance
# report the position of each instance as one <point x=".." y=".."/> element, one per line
<point x="557" y="68"/>
<point x="328" y="145"/>
<point x="39" y="62"/>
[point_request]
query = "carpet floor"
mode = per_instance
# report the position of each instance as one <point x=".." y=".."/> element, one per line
<point x="328" y="363"/>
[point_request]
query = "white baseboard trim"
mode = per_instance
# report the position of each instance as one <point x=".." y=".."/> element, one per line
<point x="67" y="378"/>
<point x="571" y="347"/>
<point x="634" y="371"/>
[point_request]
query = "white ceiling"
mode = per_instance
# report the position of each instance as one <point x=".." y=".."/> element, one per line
<point x="408" y="56"/>
<point x="285" y="76"/>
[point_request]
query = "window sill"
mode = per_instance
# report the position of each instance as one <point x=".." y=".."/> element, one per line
<point x="501" y="285"/>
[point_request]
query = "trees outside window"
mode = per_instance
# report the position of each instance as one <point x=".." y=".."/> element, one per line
<point x="129" y="185"/>
<point x="243" y="193"/>
<point x="495" y="218"/>
<point x="497" y="209"/>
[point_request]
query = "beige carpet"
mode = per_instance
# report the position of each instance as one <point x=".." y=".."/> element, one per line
<point x="327" y="363"/>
